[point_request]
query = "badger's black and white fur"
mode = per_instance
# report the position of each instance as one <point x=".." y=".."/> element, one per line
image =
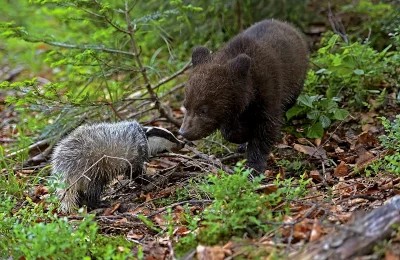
<point x="95" y="154"/>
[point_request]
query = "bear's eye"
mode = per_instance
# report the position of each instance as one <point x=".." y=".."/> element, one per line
<point x="203" y="110"/>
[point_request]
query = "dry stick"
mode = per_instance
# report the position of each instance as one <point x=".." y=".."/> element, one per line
<point x="164" y="110"/>
<point x="220" y="144"/>
<point x="233" y="156"/>
<point x="359" y="237"/>
<point x="239" y="14"/>
<point x="192" y="159"/>
<point x="178" y="204"/>
<point x="176" y="74"/>
<point x="42" y="142"/>
<point x="207" y="158"/>
<point x="172" y="90"/>
<point x="33" y="146"/>
<point x="171" y="249"/>
<point x="114" y="110"/>
<point x="337" y="25"/>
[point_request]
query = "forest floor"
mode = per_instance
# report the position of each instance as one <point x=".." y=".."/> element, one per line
<point x="339" y="191"/>
<point x="342" y="189"/>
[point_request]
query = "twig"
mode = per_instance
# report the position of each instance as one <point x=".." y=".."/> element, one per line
<point x="33" y="146"/>
<point x="83" y="47"/>
<point x="232" y="157"/>
<point x="176" y="74"/>
<point x="116" y="27"/>
<point x="178" y="204"/>
<point x="337" y="25"/>
<point x="207" y="158"/>
<point x="164" y="110"/>
<point x="171" y="250"/>
<point x="220" y="144"/>
<point x="172" y="90"/>
<point x="239" y="14"/>
<point x="114" y="110"/>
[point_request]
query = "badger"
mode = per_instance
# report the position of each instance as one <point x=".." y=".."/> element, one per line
<point x="92" y="155"/>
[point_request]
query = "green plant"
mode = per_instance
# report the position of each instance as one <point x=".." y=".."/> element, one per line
<point x="34" y="232"/>
<point x="391" y="141"/>
<point x="343" y="75"/>
<point x="291" y="190"/>
<point x="237" y="208"/>
<point x="216" y="144"/>
<point x="371" y="19"/>
<point x="348" y="71"/>
<point x="319" y="111"/>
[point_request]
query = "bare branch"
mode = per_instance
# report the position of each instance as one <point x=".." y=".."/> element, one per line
<point x="164" y="110"/>
<point x="179" y="72"/>
<point x="83" y="47"/>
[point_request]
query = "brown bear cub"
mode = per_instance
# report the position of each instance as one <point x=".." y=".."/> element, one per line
<point x="244" y="88"/>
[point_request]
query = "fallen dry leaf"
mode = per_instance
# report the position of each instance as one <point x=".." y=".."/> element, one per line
<point x="134" y="236"/>
<point x="363" y="156"/>
<point x="160" y="221"/>
<point x="319" y="153"/>
<point x="41" y="190"/>
<point x="341" y="170"/>
<point x="368" y="139"/>
<point x="316" y="231"/>
<point x="212" y="252"/>
<point x="268" y="188"/>
<point x="314" y="174"/>
<point x="389" y="255"/>
<point x="181" y="231"/>
<point x="110" y="211"/>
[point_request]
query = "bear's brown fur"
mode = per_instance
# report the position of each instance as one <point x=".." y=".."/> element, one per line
<point x="244" y="88"/>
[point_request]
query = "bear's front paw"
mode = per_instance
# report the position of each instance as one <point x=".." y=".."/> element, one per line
<point x="259" y="167"/>
<point x="241" y="148"/>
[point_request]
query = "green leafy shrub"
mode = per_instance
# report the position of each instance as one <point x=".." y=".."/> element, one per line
<point x="371" y="19"/>
<point x="319" y="111"/>
<point x="348" y="71"/>
<point x="33" y="232"/>
<point x="343" y="75"/>
<point x="391" y="141"/>
<point x="237" y="208"/>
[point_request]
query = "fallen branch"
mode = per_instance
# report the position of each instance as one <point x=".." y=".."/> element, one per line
<point x="164" y="110"/>
<point x="178" y="204"/>
<point x="214" y="162"/>
<point x="358" y="238"/>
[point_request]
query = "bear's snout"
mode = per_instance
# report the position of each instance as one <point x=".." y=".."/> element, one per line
<point x="188" y="133"/>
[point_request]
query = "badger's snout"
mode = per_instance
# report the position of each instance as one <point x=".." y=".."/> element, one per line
<point x="161" y="139"/>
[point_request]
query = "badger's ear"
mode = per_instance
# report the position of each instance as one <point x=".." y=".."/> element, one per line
<point x="240" y="65"/>
<point x="147" y="129"/>
<point x="200" y="55"/>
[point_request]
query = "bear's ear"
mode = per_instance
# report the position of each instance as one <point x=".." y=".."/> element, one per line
<point x="200" y="55"/>
<point x="240" y="65"/>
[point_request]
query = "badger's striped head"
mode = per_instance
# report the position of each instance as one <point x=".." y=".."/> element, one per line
<point x="161" y="140"/>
